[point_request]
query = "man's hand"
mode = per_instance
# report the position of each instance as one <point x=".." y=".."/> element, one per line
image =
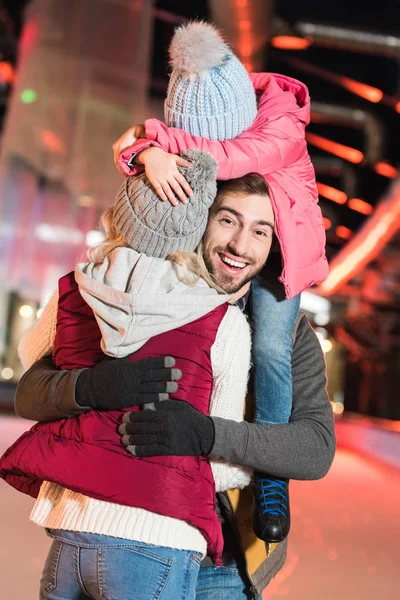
<point x="162" y="172"/>
<point x="174" y="428"/>
<point x="119" y="383"/>
<point x="127" y="139"/>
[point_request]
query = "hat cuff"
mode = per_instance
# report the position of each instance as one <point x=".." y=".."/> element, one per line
<point x="224" y="126"/>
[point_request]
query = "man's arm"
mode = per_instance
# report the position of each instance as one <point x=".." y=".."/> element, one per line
<point x="45" y="393"/>
<point x="302" y="449"/>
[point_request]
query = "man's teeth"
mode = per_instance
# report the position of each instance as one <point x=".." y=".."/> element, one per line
<point x="232" y="263"/>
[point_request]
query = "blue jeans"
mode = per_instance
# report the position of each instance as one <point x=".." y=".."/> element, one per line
<point x="273" y="318"/>
<point x="87" y="565"/>
<point x="221" y="583"/>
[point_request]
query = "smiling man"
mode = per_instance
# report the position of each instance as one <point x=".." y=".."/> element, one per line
<point x="239" y="233"/>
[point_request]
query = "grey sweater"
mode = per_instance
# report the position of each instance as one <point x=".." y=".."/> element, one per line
<point x="301" y="449"/>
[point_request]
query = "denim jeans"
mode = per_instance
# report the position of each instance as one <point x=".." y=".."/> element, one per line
<point x="87" y="565"/>
<point x="221" y="583"/>
<point x="273" y="318"/>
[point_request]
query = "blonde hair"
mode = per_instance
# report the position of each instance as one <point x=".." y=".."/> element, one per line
<point x="192" y="263"/>
<point x="194" y="268"/>
<point x="113" y="239"/>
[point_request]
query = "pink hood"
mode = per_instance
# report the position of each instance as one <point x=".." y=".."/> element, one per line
<point x="284" y="94"/>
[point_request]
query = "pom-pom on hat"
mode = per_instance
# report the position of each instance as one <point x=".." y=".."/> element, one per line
<point x="157" y="228"/>
<point x="210" y="93"/>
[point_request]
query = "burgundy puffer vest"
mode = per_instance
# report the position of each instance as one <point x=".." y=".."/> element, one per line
<point x="85" y="454"/>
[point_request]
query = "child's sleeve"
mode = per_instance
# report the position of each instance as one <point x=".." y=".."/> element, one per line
<point x="263" y="148"/>
<point x="38" y="340"/>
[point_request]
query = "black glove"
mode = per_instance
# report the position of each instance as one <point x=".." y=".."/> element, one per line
<point x="119" y="383"/>
<point x="173" y="428"/>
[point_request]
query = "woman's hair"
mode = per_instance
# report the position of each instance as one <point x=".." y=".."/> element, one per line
<point x="194" y="268"/>
<point x="113" y="238"/>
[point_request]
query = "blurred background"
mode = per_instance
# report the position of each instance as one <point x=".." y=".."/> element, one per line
<point x="74" y="75"/>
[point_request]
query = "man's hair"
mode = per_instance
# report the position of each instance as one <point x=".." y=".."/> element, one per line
<point x="252" y="183"/>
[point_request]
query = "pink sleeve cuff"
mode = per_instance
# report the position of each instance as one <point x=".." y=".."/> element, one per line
<point x="126" y="157"/>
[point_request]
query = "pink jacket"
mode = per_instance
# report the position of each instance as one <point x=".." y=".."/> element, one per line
<point x="274" y="146"/>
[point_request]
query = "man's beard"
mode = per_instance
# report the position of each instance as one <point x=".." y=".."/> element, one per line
<point x="229" y="284"/>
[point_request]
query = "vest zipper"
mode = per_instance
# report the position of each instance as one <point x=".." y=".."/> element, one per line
<point x="253" y="588"/>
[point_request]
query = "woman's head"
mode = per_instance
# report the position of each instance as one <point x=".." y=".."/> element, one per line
<point x="140" y="220"/>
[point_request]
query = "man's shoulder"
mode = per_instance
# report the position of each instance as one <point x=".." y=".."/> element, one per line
<point x="302" y="323"/>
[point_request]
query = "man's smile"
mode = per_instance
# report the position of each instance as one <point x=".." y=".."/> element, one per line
<point x="233" y="266"/>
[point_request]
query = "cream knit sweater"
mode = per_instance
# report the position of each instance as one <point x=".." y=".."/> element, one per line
<point x="60" y="508"/>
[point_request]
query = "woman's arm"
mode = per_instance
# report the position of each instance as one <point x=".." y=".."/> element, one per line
<point x="38" y="340"/>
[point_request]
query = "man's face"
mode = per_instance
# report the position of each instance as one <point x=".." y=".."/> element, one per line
<point x="238" y="239"/>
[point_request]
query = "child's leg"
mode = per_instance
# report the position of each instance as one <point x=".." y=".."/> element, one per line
<point x="273" y="319"/>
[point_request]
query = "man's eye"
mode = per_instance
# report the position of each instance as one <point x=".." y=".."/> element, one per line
<point x="226" y="220"/>
<point x="261" y="234"/>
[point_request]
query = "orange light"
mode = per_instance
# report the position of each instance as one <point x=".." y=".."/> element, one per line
<point x="248" y="66"/>
<point x="366" y="244"/>
<point x="290" y="42"/>
<point x="361" y="89"/>
<point x="244" y="25"/>
<point x="398" y="107"/>
<point x="360" y="206"/>
<point x="52" y="142"/>
<point x="344" y="232"/>
<point x="6" y="72"/>
<point x="245" y="49"/>
<point x="327" y="223"/>
<point x="386" y="170"/>
<point x="331" y="193"/>
<point x="241" y="3"/>
<point x="350" y="154"/>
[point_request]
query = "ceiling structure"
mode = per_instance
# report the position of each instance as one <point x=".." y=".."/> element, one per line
<point x="350" y="60"/>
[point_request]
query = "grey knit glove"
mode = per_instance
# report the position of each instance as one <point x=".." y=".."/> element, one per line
<point x="173" y="428"/>
<point x="119" y="383"/>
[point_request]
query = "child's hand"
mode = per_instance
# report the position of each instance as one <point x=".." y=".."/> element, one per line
<point x="127" y="139"/>
<point x="162" y="172"/>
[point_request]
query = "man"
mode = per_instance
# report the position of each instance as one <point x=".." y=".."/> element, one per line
<point x="236" y="246"/>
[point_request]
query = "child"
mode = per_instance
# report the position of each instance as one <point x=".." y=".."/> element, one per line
<point x="154" y="518"/>
<point x="211" y="95"/>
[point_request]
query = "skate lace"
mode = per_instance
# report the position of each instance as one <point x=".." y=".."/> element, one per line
<point x="273" y="497"/>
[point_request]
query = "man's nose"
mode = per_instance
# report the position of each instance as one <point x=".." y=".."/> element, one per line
<point x="239" y="243"/>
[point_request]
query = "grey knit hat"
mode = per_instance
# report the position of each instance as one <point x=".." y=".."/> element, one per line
<point x="210" y="93"/>
<point x="157" y="228"/>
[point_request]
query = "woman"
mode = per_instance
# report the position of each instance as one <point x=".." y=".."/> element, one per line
<point x="128" y="527"/>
